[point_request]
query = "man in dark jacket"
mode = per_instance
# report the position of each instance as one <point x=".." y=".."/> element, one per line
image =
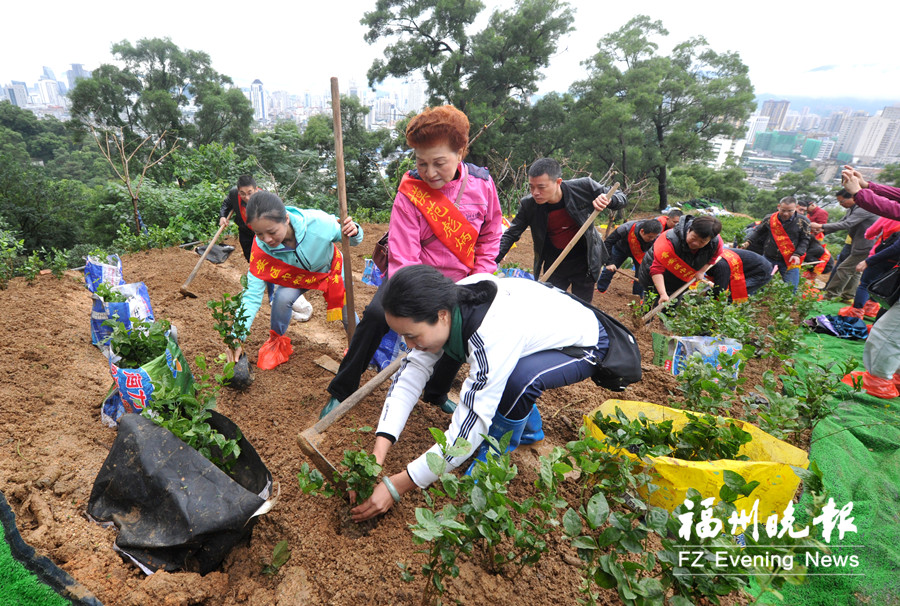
<point x="784" y="236"/>
<point x="844" y="279"/>
<point x="681" y="254"/>
<point x="236" y="202"/>
<point x="631" y="239"/>
<point x="742" y="272"/>
<point x="555" y="211"/>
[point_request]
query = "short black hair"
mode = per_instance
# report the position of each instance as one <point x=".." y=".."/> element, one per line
<point x="674" y="213"/>
<point x="788" y="200"/>
<point x="245" y="180"/>
<point x="650" y="226"/>
<point x="803" y="203"/>
<point x="545" y="166"/>
<point x="706" y="226"/>
<point x="843" y="193"/>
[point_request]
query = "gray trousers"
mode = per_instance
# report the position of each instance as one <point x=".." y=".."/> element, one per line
<point x="881" y="355"/>
<point x="844" y="278"/>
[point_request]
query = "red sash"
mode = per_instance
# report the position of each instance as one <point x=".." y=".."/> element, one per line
<point x="819" y="267"/>
<point x="275" y="271"/>
<point x="445" y="220"/>
<point x="243" y="210"/>
<point x="664" y="221"/>
<point x="782" y="240"/>
<point x="738" y="283"/>
<point x="635" y="245"/>
<point x="665" y="252"/>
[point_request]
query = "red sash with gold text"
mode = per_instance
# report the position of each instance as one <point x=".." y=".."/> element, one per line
<point x="635" y="245"/>
<point x="819" y="267"/>
<point x="275" y="271"/>
<point x="242" y="208"/>
<point x="782" y="240"/>
<point x="665" y="252"/>
<point x="738" y="283"/>
<point x="445" y="220"/>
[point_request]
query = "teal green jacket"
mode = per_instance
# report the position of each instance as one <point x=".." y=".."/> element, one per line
<point x="316" y="233"/>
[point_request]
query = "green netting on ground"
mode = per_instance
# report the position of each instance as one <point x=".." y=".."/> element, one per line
<point x="19" y="586"/>
<point x="858" y="451"/>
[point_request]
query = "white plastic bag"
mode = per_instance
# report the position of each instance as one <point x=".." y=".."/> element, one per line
<point x="302" y="309"/>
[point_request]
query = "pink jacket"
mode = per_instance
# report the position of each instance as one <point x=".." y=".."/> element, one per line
<point x="412" y="242"/>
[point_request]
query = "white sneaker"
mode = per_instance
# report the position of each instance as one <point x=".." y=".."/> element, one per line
<point x="302" y="309"/>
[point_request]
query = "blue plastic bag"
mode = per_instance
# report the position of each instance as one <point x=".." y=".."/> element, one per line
<point x="137" y="306"/>
<point x="515" y="272"/>
<point x="97" y="271"/>
<point x="709" y="349"/>
<point x="390" y="347"/>
<point x="371" y="274"/>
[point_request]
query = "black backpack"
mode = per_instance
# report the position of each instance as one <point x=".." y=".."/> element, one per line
<point x="622" y="364"/>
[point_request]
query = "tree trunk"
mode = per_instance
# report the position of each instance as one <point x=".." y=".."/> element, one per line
<point x="661" y="174"/>
<point x="137" y="217"/>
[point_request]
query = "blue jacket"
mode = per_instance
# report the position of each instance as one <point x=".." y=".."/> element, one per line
<point x="316" y="233"/>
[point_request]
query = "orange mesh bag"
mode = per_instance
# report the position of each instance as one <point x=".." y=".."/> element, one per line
<point x="275" y="351"/>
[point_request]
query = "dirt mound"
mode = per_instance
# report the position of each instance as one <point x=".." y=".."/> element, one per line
<point x="52" y="445"/>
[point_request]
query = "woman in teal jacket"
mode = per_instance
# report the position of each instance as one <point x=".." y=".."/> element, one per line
<point x="295" y="249"/>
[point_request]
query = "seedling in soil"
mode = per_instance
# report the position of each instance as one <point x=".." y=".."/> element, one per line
<point x="108" y="295"/>
<point x="187" y="416"/>
<point x="361" y="476"/>
<point x="143" y="342"/>
<point x="229" y="316"/>
<point x="280" y="555"/>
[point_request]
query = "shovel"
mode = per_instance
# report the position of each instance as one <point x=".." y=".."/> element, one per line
<point x="215" y="238"/>
<point x="673" y="297"/>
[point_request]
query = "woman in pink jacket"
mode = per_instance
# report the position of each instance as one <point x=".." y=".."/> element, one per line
<point x="446" y="214"/>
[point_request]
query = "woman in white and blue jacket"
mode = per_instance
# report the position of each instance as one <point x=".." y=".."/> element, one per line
<point x="519" y="338"/>
<point x="304" y="239"/>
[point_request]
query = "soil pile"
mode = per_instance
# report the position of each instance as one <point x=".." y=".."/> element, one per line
<point x="52" y="445"/>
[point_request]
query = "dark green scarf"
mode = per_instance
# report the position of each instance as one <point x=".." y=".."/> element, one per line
<point x="455" y="347"/>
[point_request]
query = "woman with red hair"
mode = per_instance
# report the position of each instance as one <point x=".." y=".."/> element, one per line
<point x="447" y="215"/>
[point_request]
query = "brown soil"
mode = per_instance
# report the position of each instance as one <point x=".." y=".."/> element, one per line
<point x="52" y="445"/>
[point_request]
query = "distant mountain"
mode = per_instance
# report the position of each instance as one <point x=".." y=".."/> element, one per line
<point x="824" y="106"/>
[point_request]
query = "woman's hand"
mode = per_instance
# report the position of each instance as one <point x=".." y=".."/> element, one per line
<point x="349" y="228"/>
<point x="380" y="502"/>
<point x="861" y="266"/>
<point x="233" y="355"/>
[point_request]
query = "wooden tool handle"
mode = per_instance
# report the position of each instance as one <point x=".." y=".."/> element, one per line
<point x="674" y="296"/>
<point x="342" y="199"/>
<point x="209" y="246"/>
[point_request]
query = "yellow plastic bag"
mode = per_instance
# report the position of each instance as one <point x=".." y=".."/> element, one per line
<point x="769" y="463"/>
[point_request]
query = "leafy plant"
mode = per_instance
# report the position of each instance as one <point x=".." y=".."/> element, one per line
<point x="139" y="344"/>
<point x="230" y="316"/>
<point x="641" y="308"/>
<point x="32" y="267"/>
<point x="361" y="476"/>
<point x="280" y="555"/>
<point x="58" y="262"/>
<point x="703" y="437"/>
<point x="187" y="415"/>
<point x="105" y="292"/>
<point x="774" y="412"/>
<point x="9" y="252"/>
<point x="711" y="388"/>
<point x="814" y="384"/>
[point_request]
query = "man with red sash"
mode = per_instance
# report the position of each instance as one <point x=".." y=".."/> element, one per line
<point x="741" y="272"/>
<point x="631" y="239"/>
<point x="555" y="211"/>
<point x="784" y="237"/>
<point x="681" y="254"/>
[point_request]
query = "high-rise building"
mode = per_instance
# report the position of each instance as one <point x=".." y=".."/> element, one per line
<point x="756" y="124"/>
<point x="833" y="123"/>
<point x="49" y="91"/>
<point x="18" y="93"/>
<point x="258" y="100"/>
<point x="776" y="111"/>
<point x="851" y="132"/>
<point x="76" y="73"/>
<point x="48" y="74"/>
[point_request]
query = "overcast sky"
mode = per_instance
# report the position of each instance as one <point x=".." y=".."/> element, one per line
<point x="792" y="48"/>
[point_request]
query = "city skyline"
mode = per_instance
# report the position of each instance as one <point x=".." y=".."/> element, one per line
<point x="789" y="50"/>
